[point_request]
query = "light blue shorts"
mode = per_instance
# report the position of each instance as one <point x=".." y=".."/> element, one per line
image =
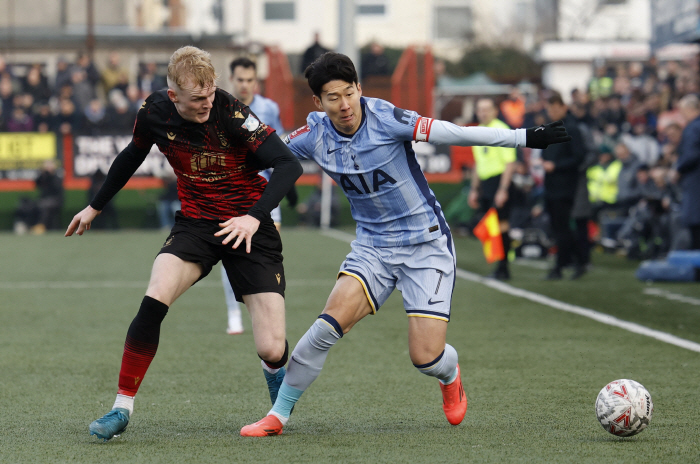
<point x="276" y="215"/>
<point x="423" y="273"/>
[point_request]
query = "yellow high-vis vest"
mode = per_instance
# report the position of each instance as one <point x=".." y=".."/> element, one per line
<point x="492" y="161"/>
<point x="602" y="182"/>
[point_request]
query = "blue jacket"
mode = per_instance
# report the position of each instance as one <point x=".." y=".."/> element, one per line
<point x="689" y="168"/>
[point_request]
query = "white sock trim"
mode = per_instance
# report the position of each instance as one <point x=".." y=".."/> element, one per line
<point x="456" y="374"/>
<point x="124" y="402"/>
<point x="268" y="368"/>
<point x="279" y="416"/>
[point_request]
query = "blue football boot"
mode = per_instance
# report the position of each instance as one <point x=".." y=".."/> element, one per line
<point x="111" y="424"/>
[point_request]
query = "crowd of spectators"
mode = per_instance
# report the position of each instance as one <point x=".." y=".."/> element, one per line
<point x="632" y="122"/>
<point x="80" y="99"/>
<point x="629" y="114"/>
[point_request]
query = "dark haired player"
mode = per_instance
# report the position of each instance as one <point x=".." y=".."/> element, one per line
<point x="244" y="78"/>
<point x="402" y="242"/>
<point x="216" y="147"/>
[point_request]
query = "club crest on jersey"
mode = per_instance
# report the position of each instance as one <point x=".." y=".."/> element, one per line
<point x="222" y="139"/>
<point x="206" y="161"/>
<point x="251" y="124"/>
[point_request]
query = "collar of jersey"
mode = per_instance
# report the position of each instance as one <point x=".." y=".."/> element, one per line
<point x="364" y="117"/>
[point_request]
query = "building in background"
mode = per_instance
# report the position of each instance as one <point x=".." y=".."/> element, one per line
<point x="144" y="30"/>
<point x="594" y="33"/>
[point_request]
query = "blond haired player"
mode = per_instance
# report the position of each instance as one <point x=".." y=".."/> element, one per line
<point x="216" y="147"/>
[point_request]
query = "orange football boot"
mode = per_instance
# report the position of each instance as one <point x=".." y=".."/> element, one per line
<point x="266" y="427"/>
<point x="454" y="401"/>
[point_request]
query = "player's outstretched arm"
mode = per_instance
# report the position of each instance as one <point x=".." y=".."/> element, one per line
<point x="445" y="133"/>
<point x="123" y="167"/>
<point x="546" y="134"/>
<point x="81" y="221"/>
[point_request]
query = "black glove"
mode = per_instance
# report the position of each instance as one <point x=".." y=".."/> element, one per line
<point x="545" y="135"/>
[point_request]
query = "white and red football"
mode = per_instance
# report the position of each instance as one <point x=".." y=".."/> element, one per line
<point x="624" y="407"/>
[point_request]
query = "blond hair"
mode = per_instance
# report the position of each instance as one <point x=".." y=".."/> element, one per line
<point x="191" y="65"/>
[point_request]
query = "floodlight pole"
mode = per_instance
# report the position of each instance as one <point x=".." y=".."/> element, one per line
<point x="90" y="38"/>
<point x="346" y="46"/>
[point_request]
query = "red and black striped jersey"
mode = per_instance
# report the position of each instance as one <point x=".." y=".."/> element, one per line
<point x="215" y="176"/>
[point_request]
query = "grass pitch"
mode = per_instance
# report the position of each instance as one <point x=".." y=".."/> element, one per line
<point x="531" y="372"/>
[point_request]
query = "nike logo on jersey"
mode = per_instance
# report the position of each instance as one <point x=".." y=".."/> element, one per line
<point x="333" y="151"/>
<point x="431" y="302"/>
<point x="539" y="128"/>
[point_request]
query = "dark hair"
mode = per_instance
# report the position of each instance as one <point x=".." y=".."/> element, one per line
<point x="555" y="99"/>
<point x="243" y="62"/>
<point x="328" y="67"/>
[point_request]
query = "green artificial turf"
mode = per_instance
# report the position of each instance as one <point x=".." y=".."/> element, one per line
<point x="531" y="372"/>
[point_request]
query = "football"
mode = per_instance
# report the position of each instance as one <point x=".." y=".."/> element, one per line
<point x="624" y="407"/>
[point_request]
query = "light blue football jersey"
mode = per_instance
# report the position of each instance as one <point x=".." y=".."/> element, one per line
<point x="377" y="169"/>
<point x="267" y="111"/>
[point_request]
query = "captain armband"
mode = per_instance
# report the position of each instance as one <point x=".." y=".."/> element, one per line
<point x="421" y="133"/>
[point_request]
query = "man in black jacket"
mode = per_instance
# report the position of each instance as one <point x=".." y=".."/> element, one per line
<point x="560" y="163"/>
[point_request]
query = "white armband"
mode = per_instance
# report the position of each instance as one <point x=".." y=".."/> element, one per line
<point x="440" y="132"/>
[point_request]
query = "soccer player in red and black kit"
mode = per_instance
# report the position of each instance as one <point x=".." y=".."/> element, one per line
<point x="216" y="146"/>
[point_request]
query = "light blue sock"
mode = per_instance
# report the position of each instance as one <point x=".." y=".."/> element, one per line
<point x="305" y="363"/>
<point x="286" y="399"/>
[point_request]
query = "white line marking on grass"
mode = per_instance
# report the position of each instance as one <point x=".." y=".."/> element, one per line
<point x="542" y="265"/>
<point x="556" y="304"/>
<point x="672" y="296"/>
<point x="581" y="311"/>
<point x="77" y="285"/>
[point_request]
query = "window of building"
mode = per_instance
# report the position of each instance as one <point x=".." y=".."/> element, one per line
<point x="613" y="2"/>
<point x="371" y="8"/>
<point x="453" y="22"/>
<point x="279" y="11"/>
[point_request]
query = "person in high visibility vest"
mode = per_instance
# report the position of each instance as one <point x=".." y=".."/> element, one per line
<point x="602" y="180"/>
<point x="491" y="180"/>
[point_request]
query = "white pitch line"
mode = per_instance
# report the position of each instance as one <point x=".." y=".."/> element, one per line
<point x="672" y="296"/>
<point x="556" y="304"/>
<point x="78" y="285"/>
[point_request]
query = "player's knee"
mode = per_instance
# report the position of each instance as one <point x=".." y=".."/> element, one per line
<point x="276" y="356"/>
<point x="159" y="295"/>
<point x="425" y="357"/>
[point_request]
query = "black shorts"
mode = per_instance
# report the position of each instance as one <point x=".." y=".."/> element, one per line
<point x="260" y="271"/>
<point x="487" y="195"/>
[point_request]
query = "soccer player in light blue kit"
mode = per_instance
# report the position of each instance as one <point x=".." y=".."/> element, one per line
<point x="402" y="241"/>
<point x="245" y="85"/>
